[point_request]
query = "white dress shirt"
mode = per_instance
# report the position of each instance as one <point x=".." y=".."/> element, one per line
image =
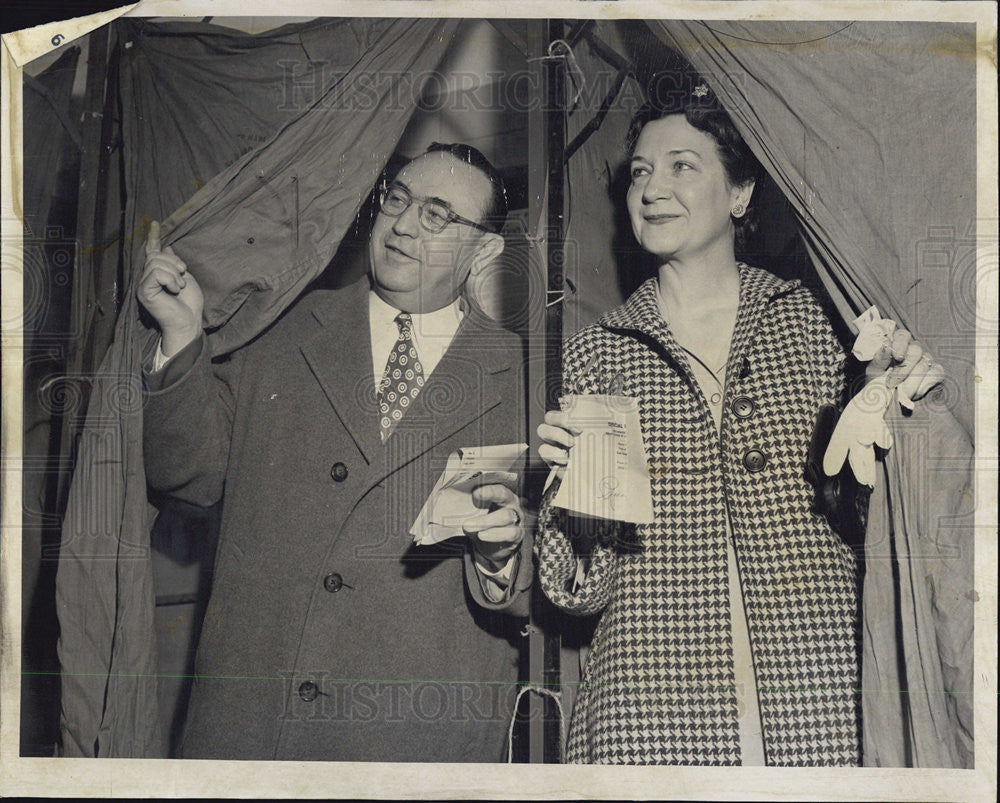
<point x="432" y="333"/>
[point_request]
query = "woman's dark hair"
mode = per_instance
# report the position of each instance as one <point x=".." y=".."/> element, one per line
<point x="496" y="210"/>
<point x="689" y="95"/>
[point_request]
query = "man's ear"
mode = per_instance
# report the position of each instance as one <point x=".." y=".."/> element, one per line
<point x="489" y="248"/>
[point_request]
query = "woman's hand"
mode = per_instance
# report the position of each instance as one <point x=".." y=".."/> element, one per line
<point x="907" y="366"/>
<point x="558" y="435"/>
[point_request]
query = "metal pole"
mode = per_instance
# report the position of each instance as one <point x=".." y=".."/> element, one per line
<point x="537" y="258"/>
<point x="555" y="113"/>
<point x="547" y="145"/>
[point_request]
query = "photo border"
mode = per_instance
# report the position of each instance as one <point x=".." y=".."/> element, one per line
<point x="175" y="777"/>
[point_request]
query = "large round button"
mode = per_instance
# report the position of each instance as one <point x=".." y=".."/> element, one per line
<point x="333" y="583"/>
<point x="743" y="406"/>
<point x="308" y="691"/>
<point x="339" y="472"/>
<point x="754" y="460"/>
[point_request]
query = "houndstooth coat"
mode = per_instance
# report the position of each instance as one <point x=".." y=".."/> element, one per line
<point x="658" y="686"/>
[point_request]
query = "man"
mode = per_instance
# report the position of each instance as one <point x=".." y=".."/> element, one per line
<point x="329" y="635"/>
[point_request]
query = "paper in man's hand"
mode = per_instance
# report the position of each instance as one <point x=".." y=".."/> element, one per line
<point x="450" y="503"/>
<point x="607" y="475"/>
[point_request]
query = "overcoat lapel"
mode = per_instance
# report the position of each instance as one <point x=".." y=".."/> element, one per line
<point x="640" y="313"/>
<point x="340" y="357"/>
<point x="456" y="394"/>
<point x="757" y="289"/>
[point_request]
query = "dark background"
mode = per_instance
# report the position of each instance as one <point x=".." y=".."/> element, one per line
<point x="18" y="14"/>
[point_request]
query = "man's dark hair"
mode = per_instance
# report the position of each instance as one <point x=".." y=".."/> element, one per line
<point x="496" y="211"/>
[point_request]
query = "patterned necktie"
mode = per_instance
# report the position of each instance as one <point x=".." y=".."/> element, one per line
<point x="402" y="380"/>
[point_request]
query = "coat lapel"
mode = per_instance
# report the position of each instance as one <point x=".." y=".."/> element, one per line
<point x="340" y="357"/>
<point x="641" y="313"/>
<point x="462" y="388"/>
<point x="757" y="289"/>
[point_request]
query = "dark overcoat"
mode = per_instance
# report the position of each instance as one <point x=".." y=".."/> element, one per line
<point x="328" y="635"/>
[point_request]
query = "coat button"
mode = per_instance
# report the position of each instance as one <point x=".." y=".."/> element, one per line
<point x="744" y="368"/>
<point x="339" y="472"/>
<point x="754" y="460"/>
<point x="743" y="406"/>
<point x="333" y="583"/>
<point x="308" y="691"/>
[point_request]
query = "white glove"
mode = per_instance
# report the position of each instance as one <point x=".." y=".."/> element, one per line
<point x="861" y="425"/>
<point x="890" y="350"/>
<point x="881" y="342"/>
<point x="874" y="332"/>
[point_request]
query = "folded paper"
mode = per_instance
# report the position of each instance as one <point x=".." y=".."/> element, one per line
<point x="450" y="503"/>
<point x="607" y="474"/>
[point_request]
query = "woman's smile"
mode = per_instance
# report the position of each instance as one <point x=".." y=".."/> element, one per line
<point x="661" y="217"/>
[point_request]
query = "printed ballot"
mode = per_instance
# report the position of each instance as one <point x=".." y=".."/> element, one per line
<point x="606" y="476"/>
<point x="450" y="502"/>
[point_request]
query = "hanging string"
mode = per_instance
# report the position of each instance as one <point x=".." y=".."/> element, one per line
<point x="562" y="720"/>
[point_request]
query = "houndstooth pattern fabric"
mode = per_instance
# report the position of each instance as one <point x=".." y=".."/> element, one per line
<point x="402" y="380"/>
<point x="658" y="686"/>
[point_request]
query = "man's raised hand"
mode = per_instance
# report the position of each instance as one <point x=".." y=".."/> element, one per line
<point x="170" y="294"/>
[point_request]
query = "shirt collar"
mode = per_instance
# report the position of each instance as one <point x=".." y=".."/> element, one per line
<point x="439" y="323"/>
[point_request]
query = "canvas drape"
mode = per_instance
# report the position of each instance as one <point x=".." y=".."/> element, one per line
<point x="254" y="236"/>
<point x="51" y="159"/>
<point x="51" y="153"/>
<point x="869" y="128"/>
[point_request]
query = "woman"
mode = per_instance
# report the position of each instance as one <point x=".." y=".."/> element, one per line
<point x="729" y="626"/>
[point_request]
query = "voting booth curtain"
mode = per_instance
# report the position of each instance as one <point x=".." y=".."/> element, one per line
<point x="257" y="152"/>
<point x="51" y="162"/>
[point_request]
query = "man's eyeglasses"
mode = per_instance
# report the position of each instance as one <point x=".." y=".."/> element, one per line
<point x="434" y="215"/>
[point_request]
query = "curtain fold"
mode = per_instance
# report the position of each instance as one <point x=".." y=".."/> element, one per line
<point x="254" y="235"/>
<point x="51" y="163"/>
<point x="869" y="128"/>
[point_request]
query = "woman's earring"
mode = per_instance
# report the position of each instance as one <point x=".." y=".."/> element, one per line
<point x="738" y="211"/>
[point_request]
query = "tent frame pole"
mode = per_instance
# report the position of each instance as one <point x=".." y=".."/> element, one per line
<point x="537" y="166"/>
<point x="546" y="151"/>
<point x="555" y="113"/>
